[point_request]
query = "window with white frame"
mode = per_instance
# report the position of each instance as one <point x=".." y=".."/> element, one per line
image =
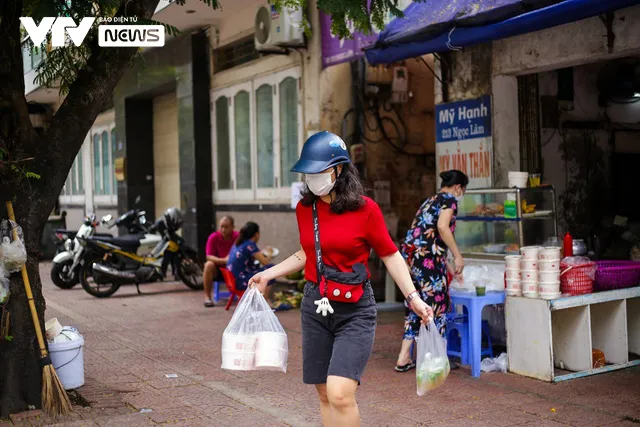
<point x="75" y="185"/>
<point x="103" y="146"/>
<point x="257" y="134"/>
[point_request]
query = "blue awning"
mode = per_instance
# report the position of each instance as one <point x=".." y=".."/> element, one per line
<point x="440" y="25"/>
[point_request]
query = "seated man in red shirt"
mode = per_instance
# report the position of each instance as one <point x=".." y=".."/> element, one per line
<point x="218" y="247"/>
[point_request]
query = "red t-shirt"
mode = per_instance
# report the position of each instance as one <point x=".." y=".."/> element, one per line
<point x="345" y="239"/>
<point x="219" y="247"/>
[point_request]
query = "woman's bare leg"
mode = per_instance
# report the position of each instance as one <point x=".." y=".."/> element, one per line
<point x="405" y="353"/>
<point x="341" y="394"/>
<point x="325" y="407"/>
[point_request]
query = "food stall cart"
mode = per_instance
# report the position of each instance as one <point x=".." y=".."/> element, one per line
<point x="558" y="338"/>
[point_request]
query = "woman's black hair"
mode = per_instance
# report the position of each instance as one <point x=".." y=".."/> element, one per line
<point x="247" y="232"/>
<point x="348" y="192"/>
<point x="454" y="177"/>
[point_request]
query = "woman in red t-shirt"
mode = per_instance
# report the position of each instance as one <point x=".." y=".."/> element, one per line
<point x="338" y="320"/>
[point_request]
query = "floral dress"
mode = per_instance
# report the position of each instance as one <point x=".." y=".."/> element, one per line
<point x="242" y="263"/>
<point x="426" y="254"/>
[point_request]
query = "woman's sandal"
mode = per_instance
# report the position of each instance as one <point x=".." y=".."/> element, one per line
<point x="405" y="368"/>
<point x="209" y="303"/>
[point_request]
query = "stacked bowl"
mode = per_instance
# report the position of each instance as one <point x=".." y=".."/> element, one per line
<point x="549" y="272"/>
<point x="513" y="275"/>
<point x="529" y="270"/>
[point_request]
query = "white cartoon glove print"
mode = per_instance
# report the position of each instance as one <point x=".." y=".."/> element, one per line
<point x="323" y="306"/>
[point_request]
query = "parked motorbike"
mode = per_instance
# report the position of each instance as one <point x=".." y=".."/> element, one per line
<point x="111" y="263"/>
<point x="66" y="264"/>
<point x="64" y="270"/>
<point x="60" y="238"/>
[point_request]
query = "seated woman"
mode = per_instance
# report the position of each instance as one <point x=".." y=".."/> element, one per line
<point x="245" y="252"/>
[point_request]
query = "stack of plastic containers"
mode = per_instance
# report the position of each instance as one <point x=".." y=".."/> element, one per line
<point x="549" y="273"/>
<point x="513" y="275"/>
<point x="529" y="267"/>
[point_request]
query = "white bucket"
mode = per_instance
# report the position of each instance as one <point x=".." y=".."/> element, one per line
<point x="513" y="262"/>
<point x="238" y="361"/>
<point x="529" y="275"/>
<point x="530" y="287"/>
<point x="549" y="254"/>
<point x="529" y="264"/>
<point x="549" y="276"/>
<point x="530" y="252"/>
<point x="513" y="274"/>
<point x="551" y="266"/>
<point x="549" y="287"/>
<point x="518" y="179"/>
<point x="67" y="359"/>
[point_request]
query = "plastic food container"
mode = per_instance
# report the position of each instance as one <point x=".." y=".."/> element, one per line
<point x="530" y="252"/>
<point x="551" y="296"/>
<point x="518" y="179"/>
<point x="529" y="264"/>
<point x="549" y="276"/>
<point x="513" y="262"/>
<point x="549" y="287"/>
<point x="549" y="265"/>
<point x="513" y="274"/>
<point x="529" y="287"/>
<point x="238" y="352"/>
<point x="550" y="254"/>
<point x="529" y="275"/>
<point x="514" y="287"/>
<point x="271" y="351"/>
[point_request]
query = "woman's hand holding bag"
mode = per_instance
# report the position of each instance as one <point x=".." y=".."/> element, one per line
<point x="421" y="308"/>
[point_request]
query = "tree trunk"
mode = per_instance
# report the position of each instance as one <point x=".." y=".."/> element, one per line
<point x="34" y="199"/>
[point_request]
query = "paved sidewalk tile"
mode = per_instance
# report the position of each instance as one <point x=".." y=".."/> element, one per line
<point x="134" y="341"/>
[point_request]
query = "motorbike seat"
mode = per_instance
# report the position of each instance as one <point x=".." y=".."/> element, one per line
<point x="130" y="241"/>
<point x="65" y="231"/>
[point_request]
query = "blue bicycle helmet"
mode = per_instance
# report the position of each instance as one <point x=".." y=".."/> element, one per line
<point x="320" y="152"/>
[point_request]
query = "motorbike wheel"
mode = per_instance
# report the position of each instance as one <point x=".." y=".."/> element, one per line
<point x="89" y="285"/>
<point x="190" y="272"/>
<point x="59" y="275"/>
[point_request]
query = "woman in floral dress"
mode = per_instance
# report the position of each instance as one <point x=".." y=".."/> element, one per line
<point x="425" y="250"/>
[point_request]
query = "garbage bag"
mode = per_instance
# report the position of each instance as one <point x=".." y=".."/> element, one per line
<point x="254" y="338"/>
<point x="499" y="364"/>
<point x="12" y="251"/>
<point x="433" y="364"/>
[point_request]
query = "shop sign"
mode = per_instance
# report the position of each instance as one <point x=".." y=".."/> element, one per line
<point x="336" y="50"/>
<point x="463" y="140"/>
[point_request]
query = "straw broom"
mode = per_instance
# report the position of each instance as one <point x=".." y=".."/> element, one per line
<point x="55" y="400"/>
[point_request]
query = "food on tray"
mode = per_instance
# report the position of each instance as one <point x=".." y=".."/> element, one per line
<point x="513" y="248"/>
<point x="491" y="209"/>
<point x="528" y="209"/>
<point x="495" y="249"/>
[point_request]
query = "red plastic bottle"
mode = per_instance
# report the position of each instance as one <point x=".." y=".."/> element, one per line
<point x="568" y="245"/>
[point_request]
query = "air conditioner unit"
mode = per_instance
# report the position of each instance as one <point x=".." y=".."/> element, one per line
<point x="275" y="31"/>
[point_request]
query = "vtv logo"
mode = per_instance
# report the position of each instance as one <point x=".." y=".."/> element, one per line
<point x="58" y="27"/>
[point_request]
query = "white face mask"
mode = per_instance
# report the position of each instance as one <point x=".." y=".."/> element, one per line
<point x="320" y="184"/>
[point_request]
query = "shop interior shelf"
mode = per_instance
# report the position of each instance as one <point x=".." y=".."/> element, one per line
<point x="503" y="219"/>
<point x="567" y="330"/>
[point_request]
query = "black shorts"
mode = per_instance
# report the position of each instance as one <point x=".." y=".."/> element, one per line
<point x="339" y="344"/>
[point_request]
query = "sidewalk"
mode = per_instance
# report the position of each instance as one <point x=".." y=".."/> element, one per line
<point x="134" y="341"/>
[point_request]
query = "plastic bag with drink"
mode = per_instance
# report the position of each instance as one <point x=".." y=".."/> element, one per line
<point x="433" y="364"/>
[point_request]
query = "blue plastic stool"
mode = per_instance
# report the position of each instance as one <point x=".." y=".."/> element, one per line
<point x="217" y="294"/>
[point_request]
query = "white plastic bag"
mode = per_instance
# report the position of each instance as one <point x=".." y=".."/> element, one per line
<point x="4" y="283"/>
<point x="499" y="364"/>
<point x="490" y="275"/>
<point x="254" y="338"/>
<point x="12" y="251"/>
<point x="433" y="364"/>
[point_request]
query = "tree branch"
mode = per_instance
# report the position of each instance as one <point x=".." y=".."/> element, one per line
<point x="88" y="95"/>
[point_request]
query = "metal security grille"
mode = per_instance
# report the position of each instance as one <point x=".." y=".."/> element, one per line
<point x="529" y="120"/>
<point x="234" y="54"/>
